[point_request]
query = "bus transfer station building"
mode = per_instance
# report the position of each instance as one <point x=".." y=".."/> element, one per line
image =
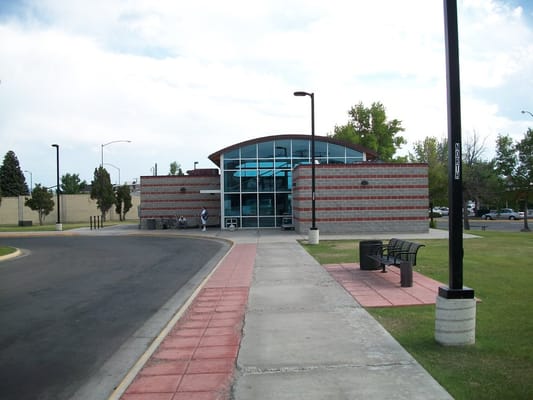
<point x="266" y="183"/>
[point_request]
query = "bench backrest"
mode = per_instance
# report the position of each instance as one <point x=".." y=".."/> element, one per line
<point x="412" y="252"/>
<point x="403" y="248"/>
<point x="393" y="245"/>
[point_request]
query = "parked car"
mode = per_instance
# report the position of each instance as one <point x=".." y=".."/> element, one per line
<point x="529" y="213"/>
<point x="444" y="211"/>
<point x="504" y="213"/>
<point x="435" y="213"/>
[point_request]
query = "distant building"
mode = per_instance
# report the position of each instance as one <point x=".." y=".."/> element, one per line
<point x="265" y="183"/>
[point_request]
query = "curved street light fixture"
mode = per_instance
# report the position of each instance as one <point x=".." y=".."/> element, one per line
<point x="108" y="143"/>
<point x="526" y="112"/>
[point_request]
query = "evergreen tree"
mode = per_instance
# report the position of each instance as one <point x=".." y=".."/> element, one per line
<point x="102" y="190"/>
<point x="41" y="200"/>
<point x="123" y="201"/>
<point x="12" y="179"/>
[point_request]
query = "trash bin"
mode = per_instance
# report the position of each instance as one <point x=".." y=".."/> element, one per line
<point x="369" y="248"/>
<point x="150" y="224"/>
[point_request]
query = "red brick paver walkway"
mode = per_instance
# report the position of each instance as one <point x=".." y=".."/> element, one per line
<point x="196" y="361"/>
<point x="375" y="289"/>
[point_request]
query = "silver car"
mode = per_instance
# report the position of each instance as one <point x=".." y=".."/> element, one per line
<point x="504" y="213"/>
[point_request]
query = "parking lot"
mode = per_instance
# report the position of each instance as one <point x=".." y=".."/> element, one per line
<point x="495" y="225"/>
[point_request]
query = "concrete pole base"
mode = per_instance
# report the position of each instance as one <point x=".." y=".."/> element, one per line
<point x="314" y="236"/>
<point x="59" y="227"/>
<point x="455" y="322"/>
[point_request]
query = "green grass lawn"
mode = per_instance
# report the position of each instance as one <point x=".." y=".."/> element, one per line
<point x="499" y="268"/>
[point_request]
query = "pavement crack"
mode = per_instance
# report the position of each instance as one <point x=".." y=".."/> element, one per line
<point x="244" y="371"/>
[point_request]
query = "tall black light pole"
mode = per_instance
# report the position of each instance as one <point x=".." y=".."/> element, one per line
<point x="455" y="306"/>
<point x="455" y="188"/>
<point x="313" y="176"/>
<point x="59" y="227"/>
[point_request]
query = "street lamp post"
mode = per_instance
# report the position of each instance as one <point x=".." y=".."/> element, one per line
<point x="455" y="308"/>
<point x="117" y="168"/>
<point x="313" y="232"/>
<point x="59" y="226"/>
<point x="106" y="144"/>
<point x="526" y="112"/>
<point x="31" y="180"/>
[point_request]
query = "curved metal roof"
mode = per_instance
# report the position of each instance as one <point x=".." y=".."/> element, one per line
<point x="370" y="154"/>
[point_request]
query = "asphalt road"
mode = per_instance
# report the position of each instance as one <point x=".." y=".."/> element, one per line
<point x="70" y="303"/>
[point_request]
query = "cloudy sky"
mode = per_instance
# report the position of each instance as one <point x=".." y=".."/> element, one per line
<point x="182" y="79"/>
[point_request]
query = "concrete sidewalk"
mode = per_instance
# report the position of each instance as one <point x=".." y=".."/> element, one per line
<point x="271" y="323"/>
<point x="306" y="338"/>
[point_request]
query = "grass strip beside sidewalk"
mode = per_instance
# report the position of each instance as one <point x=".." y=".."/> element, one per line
<point x="498" y="267"/>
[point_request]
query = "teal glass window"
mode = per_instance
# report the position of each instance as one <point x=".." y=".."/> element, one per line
<point x="249" y="151"/>
<point x="265" y="150"/>
<point x="233" y="154"/>
<point x="336" y="151"/>
<point x="231" y="181"/>
<point x="258" y="177"/>
<point x="300" y="149"/>
<point x="232" y="205"/>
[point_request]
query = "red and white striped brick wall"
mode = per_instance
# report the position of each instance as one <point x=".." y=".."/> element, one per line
<point x="361" y="198"/>
<point x="164" y="197"/>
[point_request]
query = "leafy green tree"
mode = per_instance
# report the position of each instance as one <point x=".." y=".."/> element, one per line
<point x="123" y="201"/>
<point x="369" y="127"/>
<point x="12" y="179"/>
<point x="102" y="190"/>
<point x="71" y="184"/>
<point x="41" y="200"/>
<point x="435" y="154"/>
<point x="175" y="169"/>
<point x="515" y="162"/>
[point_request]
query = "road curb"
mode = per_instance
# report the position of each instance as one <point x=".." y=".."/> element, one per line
<point x="9" y="256"/>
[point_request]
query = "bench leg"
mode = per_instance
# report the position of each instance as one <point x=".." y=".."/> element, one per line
<point x="406" y="274"/>
<point x="383" y="270"/>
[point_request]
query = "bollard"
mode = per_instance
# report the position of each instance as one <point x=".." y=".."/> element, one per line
<point x="406" y="274"/>
<point x="91" y="222"/>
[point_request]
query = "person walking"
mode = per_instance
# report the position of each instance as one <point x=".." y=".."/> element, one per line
<point x="203" y="218"/>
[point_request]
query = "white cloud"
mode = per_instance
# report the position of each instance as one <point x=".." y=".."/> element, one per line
<point x="184" y="79"/>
